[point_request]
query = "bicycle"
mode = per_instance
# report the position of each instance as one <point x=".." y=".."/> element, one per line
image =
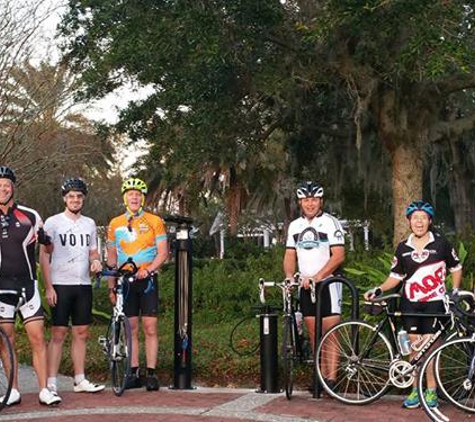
<point x="292" y="343"/>
<point x="369" y="362"/>
<point x="454" y="366"/>
<point x="117" y="344"/>
<point x="7" y="358"/>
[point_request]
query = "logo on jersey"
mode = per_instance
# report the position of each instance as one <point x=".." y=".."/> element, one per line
<point x="338" y="235"/>
<point x="426" y="284"/>
<point x="308" y="239"/>
<point x="73" y="239"/>
<point x="420" y="257"/>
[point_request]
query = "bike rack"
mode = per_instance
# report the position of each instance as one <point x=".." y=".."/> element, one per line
<point x="317" y="390"/>
<point x="269" y="360"/>
<point x="182" y="246"/>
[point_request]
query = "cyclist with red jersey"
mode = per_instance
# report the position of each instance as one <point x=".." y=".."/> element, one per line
<point x="420" y="265"/>
<point x="141" y="236"/>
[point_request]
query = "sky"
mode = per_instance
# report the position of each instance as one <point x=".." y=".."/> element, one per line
<point x="103" y="110"/>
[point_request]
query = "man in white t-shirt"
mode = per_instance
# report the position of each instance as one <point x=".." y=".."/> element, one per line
<point x="316" y="242"/>
<point x="65" y="265"/>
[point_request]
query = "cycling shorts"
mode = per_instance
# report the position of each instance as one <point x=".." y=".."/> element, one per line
<point x="31" y="310"/>
<point x="141" y="297"/>
<point x="72" y="303"/>
<point x="330" y="301"/>
<point x="422" y="325"/>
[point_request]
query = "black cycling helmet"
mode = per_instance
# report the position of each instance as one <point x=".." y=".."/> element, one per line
<point x="7" y="173"/>
<point x="73" y="184"/>
<point x="309" y="190"/>
<point x="420" y="205"/>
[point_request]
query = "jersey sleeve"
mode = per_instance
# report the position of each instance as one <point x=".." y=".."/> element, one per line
<point x="451" y="258"/>
<point x="160" y="230"/>
<point x="290" y="244"/>
<point x="50" y="228"/>
<point x="336" y="235"/>
<point x="397" y="268"/>
<point x="111" y="239"/>
<point x="93" y="246"/>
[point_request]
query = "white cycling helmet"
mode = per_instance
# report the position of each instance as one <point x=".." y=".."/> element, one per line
<point x="309" y="189"/>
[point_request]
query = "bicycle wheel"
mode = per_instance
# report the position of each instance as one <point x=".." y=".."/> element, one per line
<point x="6" y="368"/>
<point x="454" y="370"/>
<point x="120" y="351"/>
<point x="356" y="359"/>
<point x="288" y="355"/>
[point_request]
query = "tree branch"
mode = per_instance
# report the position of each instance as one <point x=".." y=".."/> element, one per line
<point x="452" y="129"/>
<point x="456" y="83"/>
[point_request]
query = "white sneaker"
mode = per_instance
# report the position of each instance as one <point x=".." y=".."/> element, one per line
<point x="88" y="387"/>
<point x="49" y="398"/>
<point x="14" y="398"/>
<point x="53" y="388"/>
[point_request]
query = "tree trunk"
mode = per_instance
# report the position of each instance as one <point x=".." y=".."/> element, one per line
<point x="460" y="192"/>
<point x="407" y="171"/>
<point x="401" y="128"/>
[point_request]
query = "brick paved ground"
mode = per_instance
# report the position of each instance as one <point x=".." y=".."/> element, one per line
<point x="212" y="405"/>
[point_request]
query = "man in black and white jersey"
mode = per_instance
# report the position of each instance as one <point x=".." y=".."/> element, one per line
<point x="419" y="266"/>
<point x="316" y="242"/>
<point x="65" y="266"/>
<point x="21" y="228"/>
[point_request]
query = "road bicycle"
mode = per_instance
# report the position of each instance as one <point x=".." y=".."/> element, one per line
<point x="369" y="361"/>
<point x="117" y="343"/>
<point x="293" y="342"/>
<point x="6" y="352"/>
<point x="454" y="365"/>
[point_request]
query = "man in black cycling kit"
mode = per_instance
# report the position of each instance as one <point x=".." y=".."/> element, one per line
<point x="315" y="241"/>
<point x="20" y="230"/>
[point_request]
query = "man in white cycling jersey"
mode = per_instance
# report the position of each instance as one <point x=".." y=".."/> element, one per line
<point x="315" y="241"/>
<point x="65" y="266"/>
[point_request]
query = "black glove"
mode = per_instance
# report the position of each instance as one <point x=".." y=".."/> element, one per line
<point x="453" y="295"/>
<point x="43" y="238"/>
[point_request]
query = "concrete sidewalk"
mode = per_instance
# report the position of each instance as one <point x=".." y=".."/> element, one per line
<point x="208" y="405"/>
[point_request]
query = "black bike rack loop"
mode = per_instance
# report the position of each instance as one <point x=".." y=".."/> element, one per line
<point x="355" y="311"/>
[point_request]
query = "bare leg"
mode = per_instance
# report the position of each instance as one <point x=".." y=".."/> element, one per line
<point x="9" y="329"/>
<point x="35" y="332"/>
<point x="151" y="340"/>
<point x="134" y="325"/>
<point x="78" y="347"/>
<point x="55" y="349"/>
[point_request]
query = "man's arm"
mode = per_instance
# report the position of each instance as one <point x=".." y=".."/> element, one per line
<point x="457" y="278"/>
<point x="290" y="265"/>
<point x="111" y="262"/>
<point x="160" y="258"/>
<point x="45" y="257"/>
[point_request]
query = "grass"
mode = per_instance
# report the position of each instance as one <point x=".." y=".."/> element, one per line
<point x="214" y="363"/>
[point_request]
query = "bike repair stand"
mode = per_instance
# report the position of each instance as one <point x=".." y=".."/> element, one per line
<point x="317" y="388"/>
<point x="182" y="369"/>
<point x="268" y="350"/>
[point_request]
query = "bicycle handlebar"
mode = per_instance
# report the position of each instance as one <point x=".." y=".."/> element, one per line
<point x="121" y="271"/>
<point x="287" y="284"/>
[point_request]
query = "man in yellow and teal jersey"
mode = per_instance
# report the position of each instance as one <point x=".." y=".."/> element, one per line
<point x="141" y="236"/>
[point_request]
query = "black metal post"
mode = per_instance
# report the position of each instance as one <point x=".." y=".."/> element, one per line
<point x="318" y="321"/>
<point x="182" y="364"/>
<point x="268" y="351"/>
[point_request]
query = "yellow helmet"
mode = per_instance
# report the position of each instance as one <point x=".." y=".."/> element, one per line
<point x="134" y="184"/>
